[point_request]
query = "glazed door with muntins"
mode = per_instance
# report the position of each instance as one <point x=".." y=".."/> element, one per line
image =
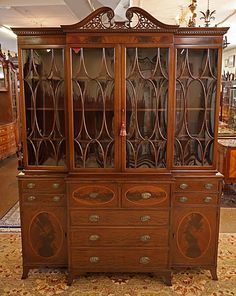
<point x="94" y="105"/>
<point x="146" y="105"/>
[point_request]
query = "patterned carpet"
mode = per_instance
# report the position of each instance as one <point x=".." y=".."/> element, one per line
<point x="53" y="282"/>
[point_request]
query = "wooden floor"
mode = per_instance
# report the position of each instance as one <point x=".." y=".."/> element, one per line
<point x="8" y="184"/>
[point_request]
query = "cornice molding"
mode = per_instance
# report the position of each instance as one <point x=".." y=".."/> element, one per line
<point x="102" y="20"/>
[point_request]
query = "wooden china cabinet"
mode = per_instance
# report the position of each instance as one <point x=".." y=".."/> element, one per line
<point x="119" y="145"/>
<point x="8" y="107"/>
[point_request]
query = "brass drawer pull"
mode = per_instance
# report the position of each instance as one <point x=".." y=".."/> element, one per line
<point x="94" y="259"/>
<point x="146" y="195"/>
<point x="55" y="185"/>
<point x="31" y="198"/>
<point x="31" y="185"/>
<point x="183" y="199"/>
<point x="208" y="199"/>
<point x="93" y="194"/>
<point x="144" y="260"/>
<point x="56" y="198"/>
<point x="208" y="186"/>
<point x="145" y="218"/>
<point x="94" y="218"/>
<point x="94" y="237"/>
<point x="183" y="186"/>
<point x="145" y="238"/>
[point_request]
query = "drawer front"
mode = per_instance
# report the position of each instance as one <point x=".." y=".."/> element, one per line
<point x="56" y="185"/>
<point x="195" y="198"/>
<point x="99" y="259"/>
<point x="119" y="217"/>
<point x="146" y="195"/>
<point x="44" y="199"/>
<point x="207" y="185"/>
<point x="94" y="195"/>
<point x="121" y="236"/>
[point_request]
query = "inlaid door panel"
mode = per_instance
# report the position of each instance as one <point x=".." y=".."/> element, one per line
<point x="44" y="235"/>
<point x="194" y="236"/>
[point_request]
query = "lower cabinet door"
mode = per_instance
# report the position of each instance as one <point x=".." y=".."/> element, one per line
<point x="195" y="236"/>
<point x="44" y="236"/>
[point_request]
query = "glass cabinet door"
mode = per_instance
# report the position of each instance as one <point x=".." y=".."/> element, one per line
<point x="93" y="107"/>
<point x="147" y="73"/>
<point x="44" y="95"/>
<point x="196" y="82"/>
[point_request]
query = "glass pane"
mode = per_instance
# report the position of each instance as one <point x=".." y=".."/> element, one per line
<point x="146" y="107"/>
<point x="44" y="101"/>
<point x="195" y="106"/>
<point x="93" y="105"/>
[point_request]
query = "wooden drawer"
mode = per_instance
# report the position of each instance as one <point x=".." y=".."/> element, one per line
<point x="55" y="185"/>
<point x="195" y="198"/>
<point x="43" y="199"/>
<point x="133" y="259"/>
<point x="145" y="195"/>
<point x="208" y="185"/>
<point x="93" y="195"/>
<point x="120" y="236"/>
<point x="118" y="217"/>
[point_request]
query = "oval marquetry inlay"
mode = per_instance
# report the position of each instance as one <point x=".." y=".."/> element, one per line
<point x="45" y="235"/>
<point x="146" y="195"/>
<point x="92" y="195"/>
<point x="193" y="235"/>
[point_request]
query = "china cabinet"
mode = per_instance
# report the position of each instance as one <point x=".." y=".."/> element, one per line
<point x="119" y="145"/>
<point x="8" y="107"/>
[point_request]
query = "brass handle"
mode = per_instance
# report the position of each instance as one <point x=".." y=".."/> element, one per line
<point x="55" y="185"/>
<point x="123" y="132"/>
<point x="183" y="199"/>
<point x="56" y="198"/>
<point x="145" y="238"/>
<point x="208" y="186"/>
<point x="145" y="218"/>
<point x="144" y="260"/>
<point x="93" y="194"/>
<point x="31" y="198"/>
<point x="94" y="259"/>
<point x="146" y="195"/>
<point x="183" y="186"/>
<point x="208" y="199"/>
<point x="30" y="185"/>
<point x="94" y="218"/>
<point x="94" y="237"/>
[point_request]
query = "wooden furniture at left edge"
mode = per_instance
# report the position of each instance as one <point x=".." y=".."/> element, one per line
<point x="120" y="167"/>
<point x="8" y="108"/>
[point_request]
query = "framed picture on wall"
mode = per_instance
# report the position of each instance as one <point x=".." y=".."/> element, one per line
<point x="231" y="61"/>
<point x="226" y="62"/>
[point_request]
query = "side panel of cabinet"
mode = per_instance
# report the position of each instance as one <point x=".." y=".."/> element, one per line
<point x="195" y="236"/>
<point x="43" y="235"/>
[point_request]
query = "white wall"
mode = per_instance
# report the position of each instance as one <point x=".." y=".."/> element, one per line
<point x="226" y="54"/>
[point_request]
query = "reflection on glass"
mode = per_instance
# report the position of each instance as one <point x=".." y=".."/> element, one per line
<point x="146" y="107"/>
<point x="195" y="106"/>
<point x="44" y="101"/>
<point x="93" y="105"/>
<point x="2" y="78"/>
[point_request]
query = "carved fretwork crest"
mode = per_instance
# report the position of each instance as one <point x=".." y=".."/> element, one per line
<point x="103" y="19"/>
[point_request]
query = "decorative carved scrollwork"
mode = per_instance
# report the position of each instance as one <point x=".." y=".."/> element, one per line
<point x="103" y="19"/>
